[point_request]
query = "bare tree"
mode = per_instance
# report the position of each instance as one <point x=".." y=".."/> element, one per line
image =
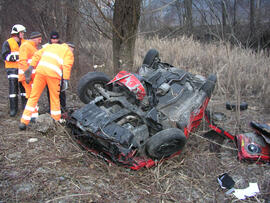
<point x="73" y="29"/>
<point x="188" y="16"/>
<point x="179" y="8"/>
<point x="125" y="25"/>
<point x="252" y="17"/>
<point x="259" y="31"/>
<point x="224" y="14"/>
<point x="234" y="13"/>
<point x="1" y="19"/>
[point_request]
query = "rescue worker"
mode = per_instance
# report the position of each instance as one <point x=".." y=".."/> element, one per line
<point x="26" y="52"/>
<point x="54" y="39"/>
<point x="10" y="54"/>
<point x="52" y="62"/>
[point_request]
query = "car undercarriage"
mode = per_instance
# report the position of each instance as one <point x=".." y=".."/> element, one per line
<point x="139" y="119"/>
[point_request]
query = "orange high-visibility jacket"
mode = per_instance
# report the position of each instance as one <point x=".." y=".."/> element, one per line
<point x="54" y="60"/>
<point x="14" y="48"/>
<point x="26" y="52"/>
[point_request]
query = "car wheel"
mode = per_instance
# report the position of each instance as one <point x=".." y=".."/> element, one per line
<point x="243" y="106"/>
<point x="87" y="85"/>
<point x="209" y="85"/>
<point x="150" y="57"/>
<point x="165" y="143"/>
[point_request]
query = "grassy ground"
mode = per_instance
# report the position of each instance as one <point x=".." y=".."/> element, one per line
<point x="54" y="169"/>
<point x="241" y="72"/>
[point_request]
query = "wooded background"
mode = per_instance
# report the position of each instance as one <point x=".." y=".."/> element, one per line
<point x="229" y="38"/>
<point x="84" y="22"/>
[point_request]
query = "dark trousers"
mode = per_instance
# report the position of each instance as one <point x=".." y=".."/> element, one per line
<point x="14" y="87"/>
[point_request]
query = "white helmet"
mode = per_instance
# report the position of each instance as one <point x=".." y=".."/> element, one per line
<point x="17" y="28"/>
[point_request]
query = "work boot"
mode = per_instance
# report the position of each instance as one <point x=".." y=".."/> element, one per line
<point x="22" y="126"/>
<point x="13" y="106"/>
<point x="12" y="112"/>
<point x="33" y="120"/>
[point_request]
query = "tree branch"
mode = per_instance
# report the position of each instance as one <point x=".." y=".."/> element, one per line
<point x="107" y="20"/>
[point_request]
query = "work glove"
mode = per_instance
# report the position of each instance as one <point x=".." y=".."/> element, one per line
<point x="28" y="74"/>
<point x="12" y="57"/>
<point x="64" y="85"/>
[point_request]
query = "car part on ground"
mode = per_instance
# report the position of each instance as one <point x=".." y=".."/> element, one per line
<point x="137" y="120"/>
<point x="252" y="147"/>
<point x="263" y="129"/>
<point x="218" y="116"/>
<point x="243" y="106"/>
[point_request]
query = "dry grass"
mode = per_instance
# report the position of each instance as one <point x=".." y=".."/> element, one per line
<point x="54" y="169"/>
<point x="241" y="73"/>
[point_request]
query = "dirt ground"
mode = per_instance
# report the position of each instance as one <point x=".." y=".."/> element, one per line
<point x="52" y="168"/>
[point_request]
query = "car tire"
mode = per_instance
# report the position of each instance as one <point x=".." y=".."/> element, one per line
<point x="165" y="143"/>
<point x="87" y="83"/>
<point x="209" y="85"/>
<point x="243" y="106"/>
<point x="150" y="57"/>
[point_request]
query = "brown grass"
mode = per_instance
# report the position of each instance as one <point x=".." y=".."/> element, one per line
<point x="55" y="169"/>
<point x="242" y="73"/>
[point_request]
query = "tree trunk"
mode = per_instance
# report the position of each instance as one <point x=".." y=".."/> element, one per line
<point x="73" y="31"/>
<point x="259" y="31"/>
<point x="251" y="18"/>
<point x="234" y="13"/>
<point x="224" y="18"/>
<point x="224" y="14"/>
<point x="188" y="16"/>
<point x="72" y="20"/>
<point x="179" y="12"/>
<point x="1" y="19"/>
<point x="125" y="25"/>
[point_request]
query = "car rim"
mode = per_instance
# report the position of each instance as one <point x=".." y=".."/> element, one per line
<point x="93" y="92"/>
<point x="168" y="148"/>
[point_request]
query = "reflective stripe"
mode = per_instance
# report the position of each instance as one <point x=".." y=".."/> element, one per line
<point x="21" y="71"/>
<point x="28" y="118"/>
<point x="51" y="66"/>
<point x="29" y="108"/>
<point x="34" y="71"/>
<point x="12" y="76"/>
<point x="23" y="94"/>
<point x="8" y="57"/>
<point x="29" y="61"/>
<point x="34" y="115"/>
<point x="44" y="45"/>
<point x="12" y="95"/>
<point x="54" y="56"/>
<point x="14" y="52"/>
<point x="55" y="113"/>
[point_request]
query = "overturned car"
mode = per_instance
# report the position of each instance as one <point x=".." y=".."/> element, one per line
<point x="138" y="119"/>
